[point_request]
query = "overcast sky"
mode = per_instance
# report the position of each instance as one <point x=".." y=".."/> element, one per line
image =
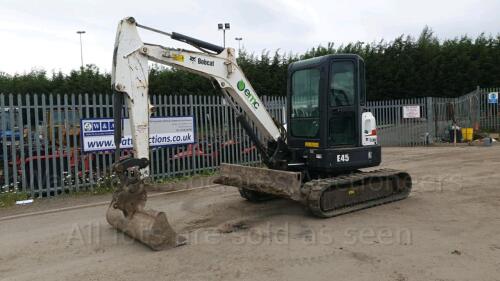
<point x="42" y="34"/>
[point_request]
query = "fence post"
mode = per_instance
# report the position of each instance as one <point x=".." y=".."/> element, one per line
<point x="429" y="106"/>
<point x="3" y="128"/>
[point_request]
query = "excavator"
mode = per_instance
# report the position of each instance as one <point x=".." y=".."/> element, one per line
<point x="315" y="159"/>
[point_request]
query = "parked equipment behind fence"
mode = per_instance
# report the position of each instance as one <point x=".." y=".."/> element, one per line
<point x="41" y="144"/>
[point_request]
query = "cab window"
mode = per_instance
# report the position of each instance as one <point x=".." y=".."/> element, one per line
<point x="305" y="103"/>
<point x="342" y="90"/>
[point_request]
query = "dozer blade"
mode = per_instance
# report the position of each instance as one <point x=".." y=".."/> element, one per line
<point x="147" y="226"/>
<point x="280" y="183"/>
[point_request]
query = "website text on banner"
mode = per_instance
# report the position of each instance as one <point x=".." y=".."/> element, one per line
<point x="97" y="134"/>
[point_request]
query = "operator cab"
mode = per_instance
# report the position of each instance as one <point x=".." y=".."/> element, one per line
<point x="327" y="99"/>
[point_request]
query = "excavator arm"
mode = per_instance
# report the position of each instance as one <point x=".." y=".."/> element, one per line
<point x="130" y="84"/>
<point x="130" y="77"/>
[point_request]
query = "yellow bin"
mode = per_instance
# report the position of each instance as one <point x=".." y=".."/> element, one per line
<point x="467" y="134"/>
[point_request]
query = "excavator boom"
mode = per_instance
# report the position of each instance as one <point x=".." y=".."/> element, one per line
<point x="130" y="84"/>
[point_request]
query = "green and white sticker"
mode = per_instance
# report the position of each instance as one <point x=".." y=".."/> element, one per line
<point x="249" y="95"/>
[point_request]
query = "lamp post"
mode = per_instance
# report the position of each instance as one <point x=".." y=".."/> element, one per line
<point x="224" y="27"/>
<point x="239" y="41"/>
<point x="80" y="32"/>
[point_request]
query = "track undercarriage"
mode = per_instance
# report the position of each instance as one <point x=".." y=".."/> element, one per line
<point x="325" y="197"/>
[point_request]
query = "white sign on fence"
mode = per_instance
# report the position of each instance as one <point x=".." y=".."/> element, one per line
<point x="411" y="111"/>
<point x="493" y="97"/>
<point x="98" y="134"/>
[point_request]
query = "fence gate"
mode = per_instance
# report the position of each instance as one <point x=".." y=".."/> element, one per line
<point x="489" y="118"/>
<point x="472" y="110"/>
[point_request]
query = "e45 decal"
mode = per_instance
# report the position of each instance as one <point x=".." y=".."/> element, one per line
<point x="342" y="158"/>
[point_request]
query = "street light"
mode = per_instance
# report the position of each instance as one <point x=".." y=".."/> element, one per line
<point x="224" y="27"/>
<point x="80" y="32"/>
<point x="239" y="41"/>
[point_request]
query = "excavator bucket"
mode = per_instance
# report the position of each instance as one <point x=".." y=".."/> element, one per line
<point x="147" y="226"/>
<point x="127" y="214"/>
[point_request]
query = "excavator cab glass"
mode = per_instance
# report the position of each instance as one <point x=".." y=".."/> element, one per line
<point x="342" y="99"/>
<point x="326" y="101"/>
<point x="305" y="103"/>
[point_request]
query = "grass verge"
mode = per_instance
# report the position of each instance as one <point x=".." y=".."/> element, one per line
<point x="105" y="185"/>
<point x="8" y="199"/>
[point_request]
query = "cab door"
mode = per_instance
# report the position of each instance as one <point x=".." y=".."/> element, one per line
<point x="343" y="104"/>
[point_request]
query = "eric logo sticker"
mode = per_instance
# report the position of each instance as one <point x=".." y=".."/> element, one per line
<point x="250" y="97"/>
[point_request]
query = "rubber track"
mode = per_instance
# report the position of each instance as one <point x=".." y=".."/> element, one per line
<point x="318" y="187"/>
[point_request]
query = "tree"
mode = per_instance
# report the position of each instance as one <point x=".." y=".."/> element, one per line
<point x="402" y="68"/>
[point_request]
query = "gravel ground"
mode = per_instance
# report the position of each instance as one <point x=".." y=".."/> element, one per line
<point x="448" y="229"/>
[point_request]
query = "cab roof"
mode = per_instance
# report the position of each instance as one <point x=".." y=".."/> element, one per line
<point x="307" y="63"/>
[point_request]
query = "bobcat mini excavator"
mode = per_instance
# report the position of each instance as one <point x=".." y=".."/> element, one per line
<point x="315" y="161"/>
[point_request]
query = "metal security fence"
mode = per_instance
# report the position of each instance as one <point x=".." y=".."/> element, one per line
<point x="436" y="118"/>
<point x="40" y="143"/>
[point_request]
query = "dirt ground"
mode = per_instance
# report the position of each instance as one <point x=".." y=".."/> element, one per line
<point x="448" y="229"/>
